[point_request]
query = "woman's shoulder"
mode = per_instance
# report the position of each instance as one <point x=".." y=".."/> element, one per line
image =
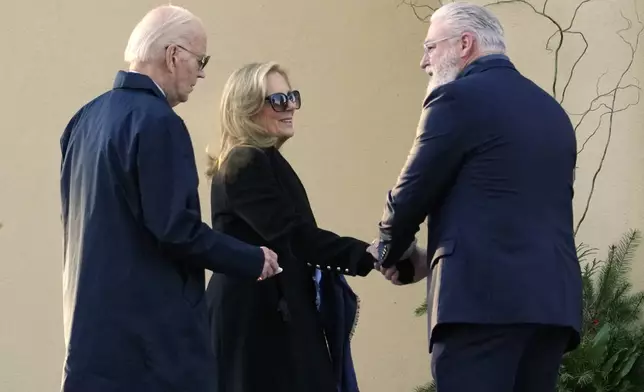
<point x="244" y="157"/>
<point x="245" y="152"/>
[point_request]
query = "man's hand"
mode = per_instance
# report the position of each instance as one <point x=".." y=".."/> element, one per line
<point x="418" y="258"/>
<point x="270" y="264"/>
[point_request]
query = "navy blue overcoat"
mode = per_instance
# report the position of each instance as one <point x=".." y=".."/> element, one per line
<point x="136" y="249"/>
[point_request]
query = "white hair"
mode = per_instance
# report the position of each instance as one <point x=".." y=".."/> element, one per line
<point x="461" y="17"/>
<point x="160" y="27"/>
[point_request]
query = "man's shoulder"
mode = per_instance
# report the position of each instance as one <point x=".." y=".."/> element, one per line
<point x="143" y="103"/>
<point x="122" y="113"/>
<point x="141" y="110"/>
<point x="458" y="88"/>
<point x="446" y="96"/>
<point x="90" y="105"/>
<point x="128" y="102"/>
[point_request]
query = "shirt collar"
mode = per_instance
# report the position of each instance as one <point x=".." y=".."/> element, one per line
<point x="157" y="84"/>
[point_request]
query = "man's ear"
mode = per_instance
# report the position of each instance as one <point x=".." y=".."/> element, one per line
<point x="171" y="57"/>
<point x="467" y="43"/>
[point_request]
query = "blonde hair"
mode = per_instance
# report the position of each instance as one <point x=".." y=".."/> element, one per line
<point x="242" y="99"/>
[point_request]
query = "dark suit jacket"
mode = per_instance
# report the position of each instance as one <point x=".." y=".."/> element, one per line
<point x="269" y="336"/>
<point x="135" y="248"/>
<point x="492" y="168"/>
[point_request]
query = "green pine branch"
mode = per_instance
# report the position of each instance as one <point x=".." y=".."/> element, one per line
<point x="429" y="387"/>
<point x="421" y="309"/>
<point x="611" y="354"/>
<point x="612" y="299"/>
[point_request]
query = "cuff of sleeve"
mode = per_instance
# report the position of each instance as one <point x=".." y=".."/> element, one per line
<point x="365" y="264"/>
<point x="390" y="252"/>
<point x="260" y="262"/>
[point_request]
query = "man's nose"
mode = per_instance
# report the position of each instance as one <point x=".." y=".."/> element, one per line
<point x="424" y="61"/>
<point x="201" y="74"/>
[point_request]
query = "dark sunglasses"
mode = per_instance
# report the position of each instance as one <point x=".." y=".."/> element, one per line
<point x="279" y="101"/>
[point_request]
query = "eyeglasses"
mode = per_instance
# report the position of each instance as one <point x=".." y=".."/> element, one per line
<point x="280" y="101"/>
<point x="202" y="60"/>
<point x="431" y="45"/>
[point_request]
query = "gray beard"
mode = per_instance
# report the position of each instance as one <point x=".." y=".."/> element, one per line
<point x="441" y="77"/>
<point x="446" y="71"/>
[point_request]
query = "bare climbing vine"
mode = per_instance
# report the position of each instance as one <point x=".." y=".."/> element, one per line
<point x="604" y="101"/>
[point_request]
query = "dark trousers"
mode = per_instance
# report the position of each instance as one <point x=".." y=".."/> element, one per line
<point x="504" y="358"/>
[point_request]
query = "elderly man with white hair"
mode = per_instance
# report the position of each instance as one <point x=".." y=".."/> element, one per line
<point x="135" y="247"/>
<point x="492" y="170"/>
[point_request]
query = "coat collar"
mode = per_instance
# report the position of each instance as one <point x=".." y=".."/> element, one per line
<point x="137" y="81"/>
<point x="486" y="62"/>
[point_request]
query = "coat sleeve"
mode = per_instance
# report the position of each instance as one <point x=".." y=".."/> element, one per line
<point x="169" y="201"/>
<point x="255" y="194"/>
<point x="432" y="166"/>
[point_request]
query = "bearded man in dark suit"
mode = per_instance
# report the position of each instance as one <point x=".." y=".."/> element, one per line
<point x="492" y="170"/>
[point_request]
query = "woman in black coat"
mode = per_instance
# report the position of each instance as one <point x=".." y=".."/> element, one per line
<point x="289" y="333"/>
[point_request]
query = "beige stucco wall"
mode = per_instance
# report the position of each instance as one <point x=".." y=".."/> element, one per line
<point x="356" y="65"/>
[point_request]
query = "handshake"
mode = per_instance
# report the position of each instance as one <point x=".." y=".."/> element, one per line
<point x="411" y="268"/>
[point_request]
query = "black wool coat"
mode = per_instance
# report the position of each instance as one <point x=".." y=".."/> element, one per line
<point x="268" y="336"/>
